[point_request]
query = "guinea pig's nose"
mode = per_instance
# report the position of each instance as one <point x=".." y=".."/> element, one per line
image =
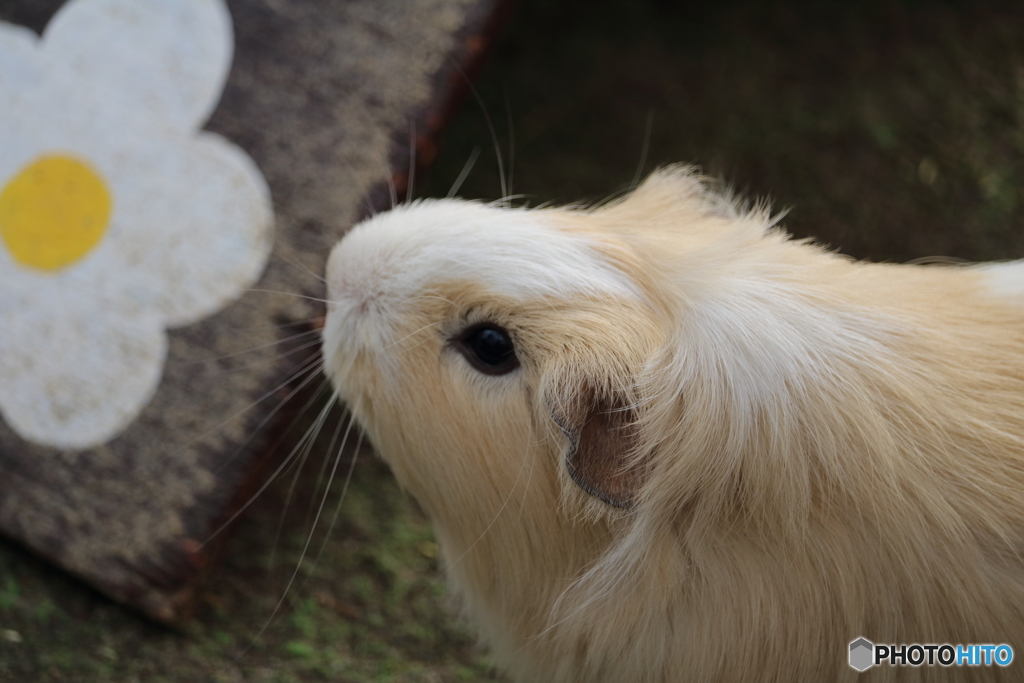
<point x="351" y="282"/>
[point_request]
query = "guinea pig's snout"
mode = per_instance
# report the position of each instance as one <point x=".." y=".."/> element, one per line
<point x="342" y="293"/>
<point x="344" y="288"/>
<point x="357" y="279"/>
<point x="359" y="322"/>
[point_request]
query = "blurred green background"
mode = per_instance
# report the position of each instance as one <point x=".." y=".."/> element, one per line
<point x="889" y="130"/>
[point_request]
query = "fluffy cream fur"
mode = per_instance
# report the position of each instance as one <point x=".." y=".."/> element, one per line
<point x="833" y="449"/>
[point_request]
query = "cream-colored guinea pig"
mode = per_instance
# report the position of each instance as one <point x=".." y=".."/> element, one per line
<point x="659" y="440"/>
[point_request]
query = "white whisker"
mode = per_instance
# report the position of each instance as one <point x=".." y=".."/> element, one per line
<point x="412" y="161"/>
<point x="277" y="342"/>
<point x="300" y="296"/>
<point x="344" y="488"/>
<point x="490" y="127"/>
<point x="312" y="367"/>
<point x="309" y="537"/>
<point x="464" y="173"/>
<point x="511" y="150"/>
<point x="262" y="488"/>
<point x="643" y="152"/>
<point x="295" y="264"/>
<point x="306" y="443"/>
<point x="411" y="334"/>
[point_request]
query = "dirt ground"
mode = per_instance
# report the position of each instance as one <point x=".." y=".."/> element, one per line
<point x="888" y="130"/>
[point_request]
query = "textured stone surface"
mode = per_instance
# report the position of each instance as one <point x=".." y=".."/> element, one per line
<point x="322" y="97"/>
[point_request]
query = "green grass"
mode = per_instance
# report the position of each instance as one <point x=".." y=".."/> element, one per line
<point x="891" y="130"/>
<point x="373" y="608"/>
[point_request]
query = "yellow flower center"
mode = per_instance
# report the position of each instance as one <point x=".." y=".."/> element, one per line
<point x="53" y="212"/>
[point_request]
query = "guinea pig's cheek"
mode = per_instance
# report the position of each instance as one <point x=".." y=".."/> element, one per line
<point x="353" y="378"/>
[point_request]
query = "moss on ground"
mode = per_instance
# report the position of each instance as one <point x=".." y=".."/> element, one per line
<point x="371" y="607"/>
<point x="892" y="130"/>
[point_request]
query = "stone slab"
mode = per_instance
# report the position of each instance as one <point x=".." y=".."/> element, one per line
<point x="322" y="97"/>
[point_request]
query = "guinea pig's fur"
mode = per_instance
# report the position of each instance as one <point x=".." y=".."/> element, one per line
<point x="725" y="453"/>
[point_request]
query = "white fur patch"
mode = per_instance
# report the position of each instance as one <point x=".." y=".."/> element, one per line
<point x="509" y="252"/>
<point x="1004" y="279"/>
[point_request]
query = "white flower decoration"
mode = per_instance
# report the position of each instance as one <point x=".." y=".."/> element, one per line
<point x="118" y="216"/>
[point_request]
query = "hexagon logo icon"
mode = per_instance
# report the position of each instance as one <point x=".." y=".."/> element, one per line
<point x="861" y="654"/>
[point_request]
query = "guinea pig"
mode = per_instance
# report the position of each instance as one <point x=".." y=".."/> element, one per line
<point x="660" y="440"/>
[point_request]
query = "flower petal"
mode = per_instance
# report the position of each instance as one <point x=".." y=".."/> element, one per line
<point x="192" y="226"/>
<point x="163" y="61"/>
<point x="75" y="375"/>
<point x="19" y="62"/>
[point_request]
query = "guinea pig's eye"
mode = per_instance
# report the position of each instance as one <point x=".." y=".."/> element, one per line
<point x="488" y="348"/>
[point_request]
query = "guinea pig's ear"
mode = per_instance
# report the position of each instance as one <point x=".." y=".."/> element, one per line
<point x="603" y="436"/>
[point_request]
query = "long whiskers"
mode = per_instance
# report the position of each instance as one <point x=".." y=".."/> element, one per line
<point x="466" y="168"/>
<point x="643" y="152"/>
<point x="299" y="296"/>
<point x="412" y="161"/>
<point x="490" y="127"/>
<point x="391" y="183"/>
<point x="341" y="498"/>
<point x="311" y="368"/>
<point x="284" y="354"/>
<point x="511" y="151"/>
<point x="299" y="463"/>
<point x="275" y="326"/>
<point x="269" y="480"/>
<point x="309" y="537"/>
<point x="295" y="264"/>
<point x="254" y="349"/>
<point x="323" y="464"/>
<point x="342" y="495"/>
<point x="412" y="334"/>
